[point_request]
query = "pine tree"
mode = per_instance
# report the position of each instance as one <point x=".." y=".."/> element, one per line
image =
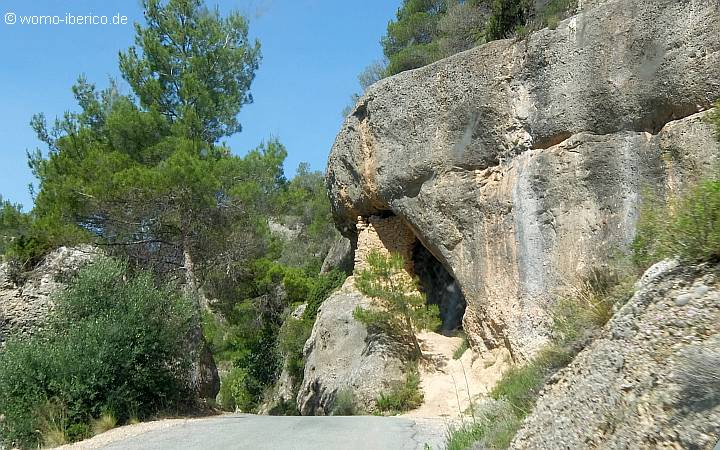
<point x="400" y="307"/>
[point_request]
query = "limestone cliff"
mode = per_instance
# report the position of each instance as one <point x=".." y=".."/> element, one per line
<point x="520" y="165"/>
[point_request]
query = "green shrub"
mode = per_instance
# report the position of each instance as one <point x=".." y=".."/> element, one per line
<point x="225" y="398"/>
<point x="345" y="403"/>
<point x="519" y="386"/>
<point x="261" y="365"/>
<point x="285" y="408"/>
<point x="258" y="336"/>
<point x="78" y="432"/>
<point x="322" y="288"/>
<point x="506" y="17"/>
<point x="293" y="333"/>
<point x="291" y="341"/>
<point x="687" y="227"/>
<point x="241" y="391"/>
<point x="404" y="397"/>
<point x="555" y="11"/>
<point x="116" y="342"/>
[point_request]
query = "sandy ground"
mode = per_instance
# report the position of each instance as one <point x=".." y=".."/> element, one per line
<point x="450" y="385"/>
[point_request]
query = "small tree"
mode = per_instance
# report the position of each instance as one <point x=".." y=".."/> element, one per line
<point x="401" y="309"/>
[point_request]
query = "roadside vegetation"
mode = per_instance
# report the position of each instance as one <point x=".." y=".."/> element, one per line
<point x="399" y="308"/>
<point x="577" y="319"/>
<point x="462" y="348"/>
<point x="406" y="396"/>
<point x="345" y="404"/>
<point x="114" y="350"/>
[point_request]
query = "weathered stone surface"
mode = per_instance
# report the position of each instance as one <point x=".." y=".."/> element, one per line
<point x="520" y="165"/>
<point x="341" y="354"/>
<point x="24" y="308"/>
<point x="647" y="382"/>
<point x="340" y="257"/>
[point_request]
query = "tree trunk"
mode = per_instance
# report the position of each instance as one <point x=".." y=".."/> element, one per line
<point x="411" y="331"/>
<point x="204" y="378"/>
<point x="201" y="303"/>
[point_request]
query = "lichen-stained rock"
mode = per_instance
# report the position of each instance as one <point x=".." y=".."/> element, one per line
<point x="341" y="355"/>
<point x="649" y="381"/>
<point x="520" y="164"/>
<point x="24" y="308"/>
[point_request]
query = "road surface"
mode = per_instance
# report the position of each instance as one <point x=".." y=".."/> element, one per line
<point x="279" y="433"/>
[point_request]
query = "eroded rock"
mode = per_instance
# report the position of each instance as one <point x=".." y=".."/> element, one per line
<point x="341" y="354"/>
<point x="340" y="257"/>
<point x="647" y="382"/>
<point x="24" y="308"/>
<point x="520" y="164"/>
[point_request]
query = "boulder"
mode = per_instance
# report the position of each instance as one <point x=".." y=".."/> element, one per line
<point x="24" y="307"/>
<point x="520" y="165"/>
<point x="341" y="354"/>
<point x="649" y="381"/>
<point x="340" y="257"/>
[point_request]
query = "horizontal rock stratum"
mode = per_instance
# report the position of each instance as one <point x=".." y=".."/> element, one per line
<point x="520" y="163"/>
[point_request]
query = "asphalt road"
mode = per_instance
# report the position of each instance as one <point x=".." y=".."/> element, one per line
<point x="292" y="433"/>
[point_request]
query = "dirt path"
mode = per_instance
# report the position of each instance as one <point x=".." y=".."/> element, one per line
<point x="448" y="384"/>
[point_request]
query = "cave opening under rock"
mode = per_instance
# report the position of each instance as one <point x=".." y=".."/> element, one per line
<point x="440" y="288"/>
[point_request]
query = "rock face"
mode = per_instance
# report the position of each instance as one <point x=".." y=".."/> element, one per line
<point x="341" y="354"/>
<point x="650" y="381"/>
<point x="24" y="308"/>
<point x="340" y="257"/>
<point x="520" y="165"/>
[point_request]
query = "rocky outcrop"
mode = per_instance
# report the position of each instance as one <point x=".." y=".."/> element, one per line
<point x="520" y="165"/>
<point x="650" y="381"/>
<point x="340" y="257"/>
<point x="24" y="308"/>
<point x="341" y="354"/>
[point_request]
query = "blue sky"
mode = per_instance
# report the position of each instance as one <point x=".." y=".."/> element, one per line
<point x="312" y="53"/>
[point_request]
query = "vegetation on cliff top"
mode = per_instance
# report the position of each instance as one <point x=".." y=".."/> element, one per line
<point x="425" y="31"/>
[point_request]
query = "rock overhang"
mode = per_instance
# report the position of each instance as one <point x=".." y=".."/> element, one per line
<point x="498" y="156"/>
